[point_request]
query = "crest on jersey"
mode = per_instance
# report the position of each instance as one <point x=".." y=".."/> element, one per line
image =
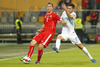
<point x="50" y="15"/>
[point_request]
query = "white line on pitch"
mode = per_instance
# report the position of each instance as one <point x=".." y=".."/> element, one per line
<point x="47" y="52"/>
<point x="36" y="54"/>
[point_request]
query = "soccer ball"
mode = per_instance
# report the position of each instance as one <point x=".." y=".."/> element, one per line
<point x="26" y="60"/>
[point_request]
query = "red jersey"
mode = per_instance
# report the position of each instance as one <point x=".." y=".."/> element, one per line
<point x="85" y="3"/>
<point x="47" y="33"/>
<point x="93" y="16"/>
<point x="50" y="21"/>
<point x="97" y="37"/>
<point x="97" y="1"/>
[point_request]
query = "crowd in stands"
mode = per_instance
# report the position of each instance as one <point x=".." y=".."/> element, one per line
<point x="93" y="15"/>
<point x="38" y="13"/>
<point x="91" y="4"/>
<point x="90" y="13"/>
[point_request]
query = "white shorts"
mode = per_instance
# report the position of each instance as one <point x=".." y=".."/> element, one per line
<point x="72" y="37"/>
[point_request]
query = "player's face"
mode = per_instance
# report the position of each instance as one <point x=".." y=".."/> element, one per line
<point x="70" y="9"/>
<point x="49" y="8"/>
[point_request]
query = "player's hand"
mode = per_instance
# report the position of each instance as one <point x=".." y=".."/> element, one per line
<point x="63" y="6"/>
<point x="64" y="22"/>
<point x="39" y="31"/>
<point x="59" y="22"/>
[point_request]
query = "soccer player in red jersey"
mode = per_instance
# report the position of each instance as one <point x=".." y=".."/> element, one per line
<point x="46" y="33"/>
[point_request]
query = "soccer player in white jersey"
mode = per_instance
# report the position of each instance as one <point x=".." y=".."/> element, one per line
<point x="68" y="31"/>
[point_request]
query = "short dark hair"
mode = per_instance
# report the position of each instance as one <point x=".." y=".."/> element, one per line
<point x="50" y="3"/>
<point x="73" y="6"/>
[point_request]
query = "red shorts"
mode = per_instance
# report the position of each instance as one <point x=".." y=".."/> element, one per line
<point x="44" y="37"/>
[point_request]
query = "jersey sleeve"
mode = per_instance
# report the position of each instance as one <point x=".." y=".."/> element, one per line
<point x="57" y="17"/>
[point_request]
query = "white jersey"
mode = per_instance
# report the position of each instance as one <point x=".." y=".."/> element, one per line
<point x="69" y="27"/>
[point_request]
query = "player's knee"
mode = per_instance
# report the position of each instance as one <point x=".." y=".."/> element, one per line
<point x="33" y="42"/>
<point x="40" y="46"/>
<point x="80" y="46"/>
<point x="59" y="37"/>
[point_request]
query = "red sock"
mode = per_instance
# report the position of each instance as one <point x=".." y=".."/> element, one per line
<point x="31" y="49"/>
<point x="40" y="52"/>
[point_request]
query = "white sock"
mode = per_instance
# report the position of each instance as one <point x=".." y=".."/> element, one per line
<point x="87" y="53"/>
<point x="58" y="43"/>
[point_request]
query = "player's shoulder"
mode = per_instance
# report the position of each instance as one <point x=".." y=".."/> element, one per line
<point x="73" y="13"/>
<point x="64" y="11"/>
<point x="53" y="13"/>
<point x="45" y="14"/>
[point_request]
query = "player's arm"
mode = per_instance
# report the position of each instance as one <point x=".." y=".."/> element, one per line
<point x="59" y="19"/>
<point x="64" y="7"/>
<point x="62" y="21"/>
<point x="39" y="31"/>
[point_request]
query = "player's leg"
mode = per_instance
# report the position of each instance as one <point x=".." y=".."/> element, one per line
<point x="58" y="43"/>
<point x="31" y="48"/>
<point x="43" y="44"/>
<point x="40" y="52"/>
<point x="75" y="40"/>
<point x="86" y="52"/>
<point x="34" y="41"/>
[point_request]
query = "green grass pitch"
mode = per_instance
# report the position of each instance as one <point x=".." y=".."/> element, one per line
<point x="69" y="56"/>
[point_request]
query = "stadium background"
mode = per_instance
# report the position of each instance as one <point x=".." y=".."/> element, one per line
<point x="32" y="12"/>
